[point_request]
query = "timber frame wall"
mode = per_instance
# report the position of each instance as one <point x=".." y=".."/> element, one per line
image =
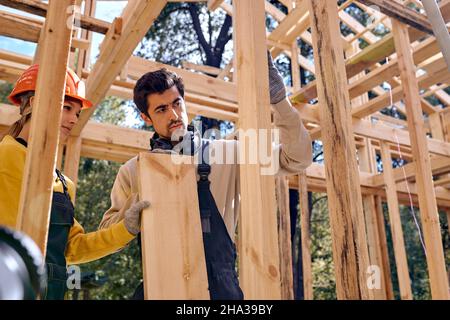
<point x="351" y="121"/>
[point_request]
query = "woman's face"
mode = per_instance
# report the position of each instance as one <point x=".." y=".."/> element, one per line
<point x="70" y="115"/>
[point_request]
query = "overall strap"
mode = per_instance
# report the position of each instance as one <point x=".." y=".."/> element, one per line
<point x="64" y="183"/>
<point x="204" y="170"/>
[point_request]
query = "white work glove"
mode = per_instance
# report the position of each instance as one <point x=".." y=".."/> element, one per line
<point x="276" y="84"/>
<point x="133" y="215"/>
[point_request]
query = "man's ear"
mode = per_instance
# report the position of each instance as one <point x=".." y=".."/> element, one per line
<point x="146" y="119"/>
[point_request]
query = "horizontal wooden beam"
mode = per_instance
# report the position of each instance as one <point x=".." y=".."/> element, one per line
<point x="194" y="82"/>
<point x="109" y="142"/>
<point x="40" y="9"/>
<point x="28" y="29"/>
<point x="316" y="183"/>
<point x="402" y="13"/>
<point x="201" y="68"/>
<point x="439" y="164"/>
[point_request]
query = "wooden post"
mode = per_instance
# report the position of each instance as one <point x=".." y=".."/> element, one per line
<point x="344" y="193"/>
<point x="384" y="249"/>
<point x="72" y="159"/>
<point x="173" y="257"/>
<point x="284" y="239"/>
<point x="36" y="193"/>
<point x="370" y="212"/>
<point x="59" y="157"/>
<point x="295" y="68"/>
<point x="259" y="274"/>
<point x="305" y="227"/>
<point x="427" y="199"/>
<point x="396" y="225"/>
<point x="84" y="55"/>
<point x="367" y="164"/>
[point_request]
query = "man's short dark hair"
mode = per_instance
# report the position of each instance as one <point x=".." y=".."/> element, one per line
<point x="155" y="82"/>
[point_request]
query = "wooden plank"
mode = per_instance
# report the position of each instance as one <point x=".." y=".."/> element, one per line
<point x="197" y="83"/>
<point x="408" y="171"/>
<point x="34" y="206"/>
<point x="383" y="73"/>
<point x="116" y="50"/>
<point x="317" y="183"/>
<point x="345" y="203"/>
<point x="308" y="292"/>
<point x="427" y="200"/>
<point x="72" y="159"/>
<point x="259" y="258"/>
<point x="402" y="13"/>
<point x="295" y="67"/>
<point x="173" y="257"/>
<point x="385" y="266"/>
<point x="357" y="27"/>
<point x="201" y="68"/>
<point x="214" y="4"/>
<point x="85" y="55"/>
<point x="367" y="162"/>
<point x="59" y="156"/>
<point x="370" y="55"/>
<point x="295" y="24"/>
<point x="284" y="239"/>
<point x="40" y="8"/>
<point x="396" y="225"/>
<point x="285" y="247"/>
<point x="26" y="28"/>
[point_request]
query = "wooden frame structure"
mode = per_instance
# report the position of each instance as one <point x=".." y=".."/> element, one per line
<point x="336" y="111"/>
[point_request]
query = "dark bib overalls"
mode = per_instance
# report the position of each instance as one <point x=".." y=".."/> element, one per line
<point x="220" y="251"/>
<point x="61" y="220"/>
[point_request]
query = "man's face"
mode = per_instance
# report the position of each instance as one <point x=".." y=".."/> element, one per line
<point x="167" y="113"/>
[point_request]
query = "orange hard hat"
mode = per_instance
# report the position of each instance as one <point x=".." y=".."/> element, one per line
<point x="27" y="82"/>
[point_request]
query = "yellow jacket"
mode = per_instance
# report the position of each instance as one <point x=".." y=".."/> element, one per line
<point x="81" y="247"/>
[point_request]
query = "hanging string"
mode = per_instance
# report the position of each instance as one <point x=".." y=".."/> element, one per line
<point x="411" y="204"/>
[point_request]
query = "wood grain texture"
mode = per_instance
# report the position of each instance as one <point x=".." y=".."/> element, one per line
<point x="172" y="245"/>
<point x="36" y="193"/>
<point x="344" y="194"/>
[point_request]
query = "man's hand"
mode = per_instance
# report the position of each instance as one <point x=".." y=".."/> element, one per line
<point x="133" y="215"/>
<point x="276" y="84"/>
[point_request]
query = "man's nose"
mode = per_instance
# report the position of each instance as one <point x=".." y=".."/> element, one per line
<point x="173" y="114"/>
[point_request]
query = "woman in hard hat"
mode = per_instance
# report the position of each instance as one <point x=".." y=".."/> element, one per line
<point x="67" y="241"/>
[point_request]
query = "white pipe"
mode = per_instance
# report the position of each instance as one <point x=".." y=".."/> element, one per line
<point x="439" y="28"/>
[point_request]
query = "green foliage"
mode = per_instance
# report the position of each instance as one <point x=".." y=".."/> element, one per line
<point x="5" y="90"/>
<point x="324" y="283"/>
<point x="322" y="258"/>
<point x="122" y="269"/>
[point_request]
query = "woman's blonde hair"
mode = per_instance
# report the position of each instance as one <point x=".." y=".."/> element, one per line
<point x="25" y="113"/>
